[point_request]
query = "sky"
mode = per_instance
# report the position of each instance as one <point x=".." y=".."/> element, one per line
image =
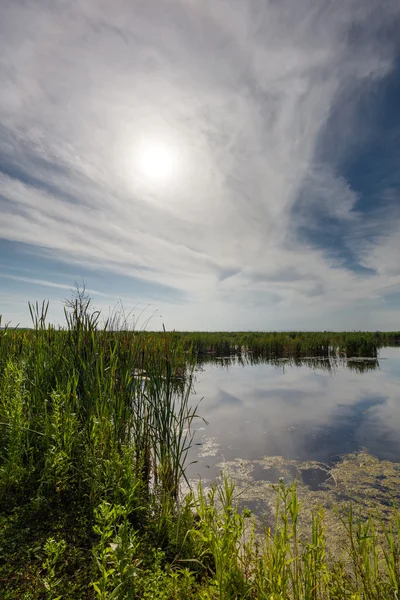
<point x="207" y="164"/>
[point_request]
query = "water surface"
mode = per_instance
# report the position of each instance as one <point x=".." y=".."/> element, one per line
<point x="318" y="411"/>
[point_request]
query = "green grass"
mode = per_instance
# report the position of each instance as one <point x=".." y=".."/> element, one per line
<point x="95" y="427"/>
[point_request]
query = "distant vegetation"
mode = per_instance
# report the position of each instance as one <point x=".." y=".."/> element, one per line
<point x="288" y="344"/>
<point x="95" y="426"/>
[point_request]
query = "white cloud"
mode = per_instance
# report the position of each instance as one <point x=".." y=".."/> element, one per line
<point x="244" y="92"/>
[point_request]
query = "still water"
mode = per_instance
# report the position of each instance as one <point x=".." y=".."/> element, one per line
<point x="313" y="411"/>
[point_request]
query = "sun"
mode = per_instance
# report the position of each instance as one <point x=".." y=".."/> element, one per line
<point x="156" y="161"/>
<point x="154" y="164"/>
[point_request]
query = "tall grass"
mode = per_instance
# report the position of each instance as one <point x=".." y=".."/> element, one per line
<point x="72" y="398"/>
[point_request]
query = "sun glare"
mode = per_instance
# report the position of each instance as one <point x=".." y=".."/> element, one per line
<point x="157" y="162"/>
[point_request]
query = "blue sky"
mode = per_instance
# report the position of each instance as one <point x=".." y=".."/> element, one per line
<point x="221" y="165"/>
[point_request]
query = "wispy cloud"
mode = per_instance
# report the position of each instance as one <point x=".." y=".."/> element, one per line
<point x="261" y="226"/>
<point x="50" y="284"/>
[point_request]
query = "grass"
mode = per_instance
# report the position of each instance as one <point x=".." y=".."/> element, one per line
<point x="95" y="426"/>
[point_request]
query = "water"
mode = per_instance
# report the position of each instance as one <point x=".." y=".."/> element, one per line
<point x="299" y="413"/>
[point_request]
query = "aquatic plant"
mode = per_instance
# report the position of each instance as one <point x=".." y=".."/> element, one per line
<point x="286" y="344"/>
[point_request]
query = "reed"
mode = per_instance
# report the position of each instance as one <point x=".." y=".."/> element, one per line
<point x="286" y="344"/>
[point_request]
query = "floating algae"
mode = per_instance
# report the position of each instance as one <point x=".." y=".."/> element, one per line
<point x="359" y="480"/>
<point x="209" y="448"/>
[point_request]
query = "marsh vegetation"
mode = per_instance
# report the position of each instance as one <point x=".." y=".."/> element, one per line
<point x="96" y="423"/>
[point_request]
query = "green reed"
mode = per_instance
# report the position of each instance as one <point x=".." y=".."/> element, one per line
<point x="287" y="344"/>
<point x="75" y="393"/>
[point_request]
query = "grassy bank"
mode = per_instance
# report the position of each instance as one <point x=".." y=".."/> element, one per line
<point x="95" y="425"/>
